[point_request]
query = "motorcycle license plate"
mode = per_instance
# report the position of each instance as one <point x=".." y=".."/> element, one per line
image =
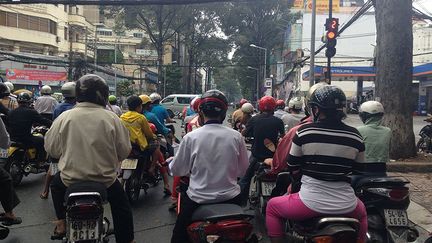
<point x="267" y="188"/>
<point x="3" y="153"/>
<point x="396" y="217"/>
<point x="129" y="164"/>
<point x="80" y="230"/>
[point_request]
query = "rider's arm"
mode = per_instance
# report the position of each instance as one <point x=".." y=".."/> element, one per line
<point x="181" y="165"/>
<point x="53" y="144"/>
<point x="145" y="127"/>
<point x="4" y="136"/>
<point x="282" y="152"/>
<point x="3" y="109"/>
<point x="160" y="127"/>
<point x="243" y="158"/>
<point x="295" y="157"/>
<point x="281" y="128"/>
<point x="123" y="145"/>
<point x="247" y="132"/>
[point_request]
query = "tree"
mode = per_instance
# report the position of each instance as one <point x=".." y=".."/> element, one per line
<point x="227" y="82"/>
<point x="124" y="88"/>
<point x="394" y="72"/>
<point x="262" y="23"/>
<point x="173" y="80"/>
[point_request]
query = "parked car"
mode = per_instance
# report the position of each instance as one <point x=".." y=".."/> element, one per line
<point x="175" y="103"/>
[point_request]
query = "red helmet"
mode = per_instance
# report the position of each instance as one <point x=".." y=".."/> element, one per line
<point x="267" y="103"/>
<point x="195" y="104"/>
<point x="243" y="101"/>
<point x="153" y="127"/>
<point x="280" y="104"/>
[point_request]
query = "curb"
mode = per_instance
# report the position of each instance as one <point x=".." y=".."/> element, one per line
<point x="404" y="167"/>
<point x="420" y="216"/>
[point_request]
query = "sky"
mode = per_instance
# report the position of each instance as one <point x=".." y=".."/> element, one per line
<point x="424" y="5"/>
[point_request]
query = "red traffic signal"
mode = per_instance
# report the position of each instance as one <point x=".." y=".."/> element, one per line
<point x="332" y="27"/>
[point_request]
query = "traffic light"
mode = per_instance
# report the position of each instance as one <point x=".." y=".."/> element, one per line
<point x="332" y="27"/>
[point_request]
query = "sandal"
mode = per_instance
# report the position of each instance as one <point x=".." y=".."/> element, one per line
<point x="57" y="236"/>
<point x="43" y="196"/>
<point x="9" y="221"/>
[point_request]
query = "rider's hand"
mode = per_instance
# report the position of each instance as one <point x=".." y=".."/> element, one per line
<point x="268" y="162"/>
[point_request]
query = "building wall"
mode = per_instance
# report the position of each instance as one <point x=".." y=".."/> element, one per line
<point x="422" y="33"/>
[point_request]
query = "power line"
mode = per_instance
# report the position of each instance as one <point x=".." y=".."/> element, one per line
<point x="120" y="2"/>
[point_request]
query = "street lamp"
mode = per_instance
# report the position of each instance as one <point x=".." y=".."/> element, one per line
<point x="265" y="58"/>
<point x="257" y="81"/>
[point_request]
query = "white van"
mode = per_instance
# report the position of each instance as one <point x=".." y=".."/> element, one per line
<point x="176" y="102"/>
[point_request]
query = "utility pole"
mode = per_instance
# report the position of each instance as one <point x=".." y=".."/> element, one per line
<point x="86" y="40"/>
<point x="95" y="50"/>
<point x="312" y="46"/>
<point x="329" y="58"/>
<point x="70" y="52"/>
<point x="115" y="68"/>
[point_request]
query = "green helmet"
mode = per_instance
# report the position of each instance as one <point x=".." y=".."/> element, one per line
<point x="112" y="98"/>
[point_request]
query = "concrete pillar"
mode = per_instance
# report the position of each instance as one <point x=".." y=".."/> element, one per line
<point x="359" y="91"/>
<point x="16" y="48"/>
<point x="422" y="101"/>
<point x="46" y="50"/>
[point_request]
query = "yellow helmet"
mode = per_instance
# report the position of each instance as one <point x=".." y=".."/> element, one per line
<point x="145" y="99"/>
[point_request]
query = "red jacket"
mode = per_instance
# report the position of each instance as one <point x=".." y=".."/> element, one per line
<point x="284" y="147"/>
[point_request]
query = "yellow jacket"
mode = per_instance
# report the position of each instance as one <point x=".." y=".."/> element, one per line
<point x="139" y="129"/>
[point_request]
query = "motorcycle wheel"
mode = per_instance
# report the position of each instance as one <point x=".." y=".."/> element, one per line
<point x="422" y="145"/>
<point x="15" y="170"/>
<point x="133" y="188"/>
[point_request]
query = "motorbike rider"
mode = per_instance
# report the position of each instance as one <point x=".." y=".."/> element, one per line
<point x="151" y="117"/>
<point x="89" y="142"/>
<point x="4" y="111"/>
<point x="160" y="111"/>
<point x="294" y="117"/>
<point x="45" y="104"/>
<point x="21" y="121"/>
<point x="69" y="94"/>
<point x="191" y="111"/>
<point x="248" y="111"/>
<point x="8" y="197"/>
<point x="196" y="120"/>
<point x="214" y="150"/>
<point x="376" y="137"/>
<point x="266" y="129"/>
<point x="238" y="114"/>
<point x="280" y="109"/>
<point x="325" y="152"/>
<point x="6" y="97"/>
<point x="112" y="106"/>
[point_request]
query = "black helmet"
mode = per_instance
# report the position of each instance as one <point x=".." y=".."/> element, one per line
<point x="24" y="97"/>
<point x="4" y="90"/>
<point x="133" y="102"/>
<point x="328" y="97"/>
<point x="92" y="88"/>
<point x="214" y="103"/>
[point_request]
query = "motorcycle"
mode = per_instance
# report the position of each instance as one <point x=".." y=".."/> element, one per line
<point x="334" y="229"/>
<point x="219" y="223"/>
<point x="85" y="221"/>
<point x="261" y="188"/>
<point x="135" y="175"/>
<point x="21" y="159"/>
<point x="386" y="200"/>
<point x="425" y="142"/>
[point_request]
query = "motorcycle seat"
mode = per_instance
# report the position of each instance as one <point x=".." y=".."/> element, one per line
<point x="380" y="181"/>
<point x="87" y="187"/>
<point x="215" y="212"/>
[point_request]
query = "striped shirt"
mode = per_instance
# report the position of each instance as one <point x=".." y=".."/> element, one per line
<point x="326" y="153"/>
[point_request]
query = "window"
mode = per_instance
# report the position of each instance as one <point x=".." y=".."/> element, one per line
<point x="184" y="100"/>
<point x="168" y="100"/>
<point x="104" y="32"/>
<point x="34" y="23"/>
<point x="2" y="18"/>
<point x="23" y="21"/>
<point x="28" y="22"/>
<point x="53" y="27"/>
<point x="66" y="33"/>
<point x="11" y="19"/>
<point x="138" y="35"/>
<point x="65" y="8"/>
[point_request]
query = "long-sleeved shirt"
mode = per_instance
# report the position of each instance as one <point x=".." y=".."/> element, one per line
<point x="161" y="128"/>
<point x="4" y="136"/>
<point x="214" y="156"/>
<point x="89" y="142"/>
<point x="62" y="107"/>
<point x="21" y="120"/>
<point x="139" y="128"/>
<point x="377" y="140"/>
<point x="45" y="104"/>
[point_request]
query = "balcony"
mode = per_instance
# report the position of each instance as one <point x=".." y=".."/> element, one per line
<point x="79" y="20"/>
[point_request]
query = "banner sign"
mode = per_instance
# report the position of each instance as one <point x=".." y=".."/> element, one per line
<point x="323" y="6"/>
<point x="35" y="75"/>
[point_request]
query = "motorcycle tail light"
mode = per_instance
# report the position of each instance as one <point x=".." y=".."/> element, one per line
<point x="323" y="239"/>
<point x="234" y="230"/>
<point x="87" y="210"/>
<point x="399" y="194"/>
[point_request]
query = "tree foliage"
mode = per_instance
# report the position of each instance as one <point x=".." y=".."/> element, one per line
<point x="173" y="80"/>
<point x="125" y="88"/>
<point x="227" y="81"/>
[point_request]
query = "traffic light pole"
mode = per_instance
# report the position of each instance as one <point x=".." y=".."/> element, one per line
<point x="329" y="58"/>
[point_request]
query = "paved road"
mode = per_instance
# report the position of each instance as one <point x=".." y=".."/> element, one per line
<point x="153" y="222"/>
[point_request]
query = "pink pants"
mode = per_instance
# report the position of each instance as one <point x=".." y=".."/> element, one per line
<point x="291" y="207"/>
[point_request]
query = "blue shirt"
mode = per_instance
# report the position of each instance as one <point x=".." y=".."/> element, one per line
<point x="190" y="112"/>
<point x="62" y="107"/>
<point x="160" y="112"/>
<point x="161" y="128"/>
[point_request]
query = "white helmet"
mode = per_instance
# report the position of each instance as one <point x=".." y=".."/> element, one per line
<point x="68" y="90"/>
<point x="295" y="103"/>
<point x="46" y="90"/>
<point x="193" y="106"/>
<point x="155" y="96"/>
<point x="372" y="107"/>
<point x="247" y="108"/>
<point x="10" y="86"/>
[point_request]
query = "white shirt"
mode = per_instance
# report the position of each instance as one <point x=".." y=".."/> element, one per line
<point x="214" y="156"/>
<point x="45" y="104"/>
<point x="291" y="120"/>
<point x="116" y="109"/>
<point x="280" y="113"/>
<point x="327" y="197"/>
